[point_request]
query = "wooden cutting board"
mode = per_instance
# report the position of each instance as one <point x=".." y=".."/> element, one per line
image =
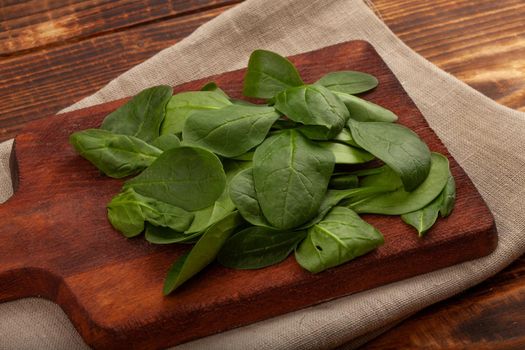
<point x="56" y="242"/>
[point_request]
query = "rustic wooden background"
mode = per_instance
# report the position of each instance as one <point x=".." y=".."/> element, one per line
<point x="52" y="53"/>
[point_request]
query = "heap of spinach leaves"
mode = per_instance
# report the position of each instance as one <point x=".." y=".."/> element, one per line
<point x="249" y="184"/>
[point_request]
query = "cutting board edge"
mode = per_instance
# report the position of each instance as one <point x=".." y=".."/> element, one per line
<point x="100" y="334"/>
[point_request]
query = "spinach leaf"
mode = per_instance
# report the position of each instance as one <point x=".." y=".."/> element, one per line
<point x="239" y="102"/>
<point x="206" y="217"/>
<point x="346" y="137"/>
<point x="165" y="235"/>
<point x="162" y="214"/>
<point x="400" y="202"/>
<point x="230" y="131"/>
<point x="181" y="105"/>
<point x="186" y="177"/>
<point x="322" y="113"/>
<point x="128" y="210"/>
<point x="349" y="82"/>
<point x="203" y="217"/>
<point x="142" y="115"/>
<point x="284" y="123"/>
<point x="397" y="146"/>
<point x="212" y="86"/>
<point x="258" y="247"/>
<point x="369" y="171"/>
<point x="382" y="176"/>
<point x="244" y="196"/>
<point x="334" y="197"/>
<point x="203" y="253"/>
<point x="128" y="219"/>
<point x="449" y="196"/>
<point x="365" y="111"/>
<point x="115" y="155"/>
<point x="166" y="142"/>
<point x="347" y="154"/>
<point x="343" y="182"/>
<point x="340" y="237"/>
<point x="423" y="219"/>
<point x="223" y="205"/>
<point x="268" y="74"/>
<point x="245" y="157"/>
<point x="291" y="175"/>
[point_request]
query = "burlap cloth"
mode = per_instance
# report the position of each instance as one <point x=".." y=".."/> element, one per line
<point x="486" y="139"/>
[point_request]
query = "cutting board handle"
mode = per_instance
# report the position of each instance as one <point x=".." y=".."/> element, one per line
<point x="11" y="259"/>
<point x="22" y="273"/>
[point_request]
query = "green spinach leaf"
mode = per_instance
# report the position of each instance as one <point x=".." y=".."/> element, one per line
<point x="186" y="177"/>
<point x="322" y="113"/>
<point x="165" y="235"/>
<point x="397" y="146"/>
<point x="423" y="219"/>
<point x="166" y="142"/>
<point x="340" y="237"/>
<point x="223" y="206"/>
<point x="382" y="176"/>
<point x="245" y="157"/>
<point x="258" y="247"/>
<point x="128" y="210"/>
<point x="212" y="86"/>
<point x="142" y="115"/>
<point x="203" y="253"/>
<point x="343" y="182"/>
<point x="244" y="196"/>
<point x="291" y="175"/>
<point x="126" y="218"/>
<point x="349" y="82"/>
<point x="346" y="137"/>
<point x="115" y="155"/>
<point x="284" y="123"/>
<point x="449" y="197"/>
<point x="345" y="154"/>
<point x="365" y="111"/>
<point x="400" y="202"/>
<point x="268" y="74"/>
<point x="367" y="171"/>
<point x="334" y="197"/>
<point x="230" y="131"/>
<point x="182" y="105"/>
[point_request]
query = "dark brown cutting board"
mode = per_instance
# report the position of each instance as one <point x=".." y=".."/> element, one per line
<point x="56" y="242"/>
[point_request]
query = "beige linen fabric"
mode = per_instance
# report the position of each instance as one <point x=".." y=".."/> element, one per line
<point x="485" y="138"/>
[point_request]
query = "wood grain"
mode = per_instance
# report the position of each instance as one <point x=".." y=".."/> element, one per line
<point x="481" y="42"/>
<point x="36" y="24"/>
<point x="59" y="244"/>
<point x="40" y="83"/>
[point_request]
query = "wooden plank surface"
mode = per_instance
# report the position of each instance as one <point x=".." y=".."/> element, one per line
<point x="480" y="42"/>
<point x="39" y="83"/>
<point x="36" y="24"/>
<point x="110" y="286"/>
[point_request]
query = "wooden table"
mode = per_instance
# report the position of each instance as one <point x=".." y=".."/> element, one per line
<point x="52" y="53"/>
